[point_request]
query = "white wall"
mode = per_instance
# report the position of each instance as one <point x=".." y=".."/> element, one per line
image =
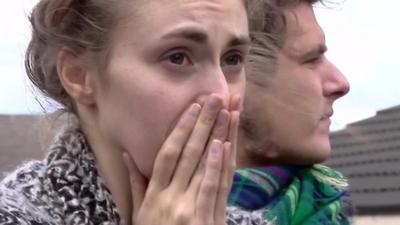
<point x="377" y="220"/>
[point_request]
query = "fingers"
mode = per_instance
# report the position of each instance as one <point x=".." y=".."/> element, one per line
<point x="197" y="142"/>
<point x="137" y="182"/>
<point x="195" y="183"/>
<point x="235" y="107"/>
<point x="235" y="103"/>
<point x="220" y="132"/>
<point x="232" y="137"/>
<point x="206" y="199"/>
<point x="224" y="186"/>
<point x="167" y="158"/>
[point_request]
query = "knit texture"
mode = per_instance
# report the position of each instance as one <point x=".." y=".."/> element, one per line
<point x="65" y="188"/>
<point x="289" y="195"/>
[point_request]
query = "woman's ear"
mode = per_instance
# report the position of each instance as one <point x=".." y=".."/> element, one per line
<point x="75" y="76"/>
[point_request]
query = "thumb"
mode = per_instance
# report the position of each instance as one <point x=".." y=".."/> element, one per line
<point x="137" y="181"/>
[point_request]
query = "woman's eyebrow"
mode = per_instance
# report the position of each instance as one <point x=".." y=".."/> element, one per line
<point x="193" y="34"/>
<point x="200" y="36"/>
<point x="239" y="40"/>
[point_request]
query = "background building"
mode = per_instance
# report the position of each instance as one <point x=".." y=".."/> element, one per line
<point x="24" y="137"/>
<point x="368" y="153"/>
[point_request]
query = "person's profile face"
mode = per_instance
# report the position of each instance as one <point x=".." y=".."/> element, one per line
<point x="164" y="57"/>
<point x="293" y="110"/>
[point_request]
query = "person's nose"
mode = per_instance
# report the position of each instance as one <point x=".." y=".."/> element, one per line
<point x="215" y="82"/>
<point x="335" y="83"/>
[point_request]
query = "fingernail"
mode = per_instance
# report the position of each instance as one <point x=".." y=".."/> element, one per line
<point x="216" y="148"/>
<point x="235" y="114"/>
<point x="194" y="110"/>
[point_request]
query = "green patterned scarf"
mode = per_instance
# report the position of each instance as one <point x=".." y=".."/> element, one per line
<point x="292" y="195"/>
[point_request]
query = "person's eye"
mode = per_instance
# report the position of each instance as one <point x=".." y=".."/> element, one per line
<point x="233" y="60"/>
<point x="313" y="60"/>
<point x="178" y="59"/>
<point x="233" y="63"/>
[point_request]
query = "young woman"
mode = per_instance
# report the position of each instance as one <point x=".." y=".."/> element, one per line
<point x="155" y="87"/>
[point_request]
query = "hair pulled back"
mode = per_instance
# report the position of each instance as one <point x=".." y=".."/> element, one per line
<point x="77" y="25"/>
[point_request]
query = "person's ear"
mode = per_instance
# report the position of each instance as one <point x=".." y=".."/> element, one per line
<point x="74" y="74"/>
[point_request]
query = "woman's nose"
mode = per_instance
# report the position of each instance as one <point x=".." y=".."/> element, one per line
<point x="216" y="83"/>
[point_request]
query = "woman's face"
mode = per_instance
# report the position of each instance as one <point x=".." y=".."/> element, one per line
<point x="165" y="56"/>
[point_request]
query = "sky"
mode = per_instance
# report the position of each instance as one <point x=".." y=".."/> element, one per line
<point x="362" y="38"/>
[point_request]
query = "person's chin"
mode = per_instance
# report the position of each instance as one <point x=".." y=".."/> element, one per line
<point x="321" y="157"/>
<point x="318" y="147"/>
<point x="323" y="127"/>
<point x="321" y="150"/>
<point x="311" y="153"/>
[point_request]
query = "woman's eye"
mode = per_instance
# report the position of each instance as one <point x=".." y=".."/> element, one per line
<point x="233" y="60"/>
<point x="233" y="63"/>
<point x="177" y="58"/>
<point x="178" y="61"/>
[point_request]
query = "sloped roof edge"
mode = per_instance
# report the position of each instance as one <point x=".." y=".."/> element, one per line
<point x="390" y="110"/>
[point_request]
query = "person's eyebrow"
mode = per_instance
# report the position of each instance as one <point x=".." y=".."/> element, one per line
<point x="315" y="52"/>
<point x="200" y="36"/>
<point x="193" y="34"/>
<point x="239" y="40"/>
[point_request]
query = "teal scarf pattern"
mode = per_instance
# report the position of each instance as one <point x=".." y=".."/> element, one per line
<point x="290" y="195"/>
